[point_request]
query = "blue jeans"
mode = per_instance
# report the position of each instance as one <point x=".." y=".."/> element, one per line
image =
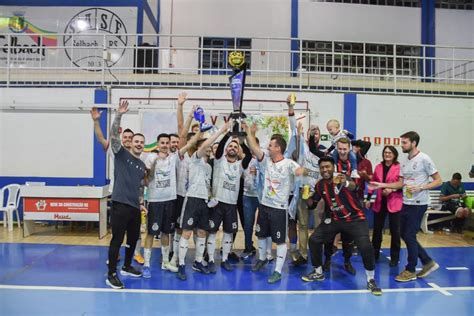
<point x="250" y="208"/>
<point x="410" y="220"/>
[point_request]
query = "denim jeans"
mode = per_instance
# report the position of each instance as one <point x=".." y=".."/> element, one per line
<point x="410" y="220"/>
<point x="250" y="208"/>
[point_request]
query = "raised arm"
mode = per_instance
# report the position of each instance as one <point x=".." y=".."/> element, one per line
<point x="183" y="133"/>
<point x="313" y="148"/>
<point x="95" y="114"/>
<point x="248" y="156"/>
<point x="114" y="131"/>
<point x="182" y="97"/>
<point x="202" y="150"/>
<point x="252" y="141"/>
<point x="221" y="146"/>
<point x="190" y="144"/>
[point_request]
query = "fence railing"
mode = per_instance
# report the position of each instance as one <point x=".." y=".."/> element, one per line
<point x="190" y="61"/>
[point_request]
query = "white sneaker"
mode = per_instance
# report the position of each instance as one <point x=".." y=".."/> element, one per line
<point x="355" y="174"/>
<point x="169" y="267"/>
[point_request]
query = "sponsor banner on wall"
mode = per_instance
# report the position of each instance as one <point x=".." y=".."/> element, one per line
<point x="61" y="209"/>
<point x="67" y="37"/>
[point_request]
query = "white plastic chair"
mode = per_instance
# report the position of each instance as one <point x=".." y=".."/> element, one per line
<point x="11" y="205"/>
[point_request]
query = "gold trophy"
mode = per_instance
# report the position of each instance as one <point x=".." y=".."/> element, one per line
<point x="237" y="85"/>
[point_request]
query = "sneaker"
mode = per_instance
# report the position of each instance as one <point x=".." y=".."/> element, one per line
<point x="114" y="282"/>
<point x="313" y="276"/>
<point x="130" y="271"/>
<point x="275" y="277"/>
<point x="405" y="276"/>
<point x="270" y="258"/>
<point x="427" y="269"/>
<point x="139" y="259"/>
<point x="349" y="268"/>
<point x="300" y="261"/>
<point x="355" y="174"/>
<point x="211" y="266"/>
<point x="259" y="265"/>
<point x="146" y="273"/>
<point x="227" y="266"/>
<point x="167" y="266"/>
<point x="327" y="266"/>
<point x="182" y="273"/>
<point x="294" y="255"/>
<point x="248" y="252"/>
<point x="233" y="257"/>
<point x="199" y="267"/>
<point x="372" y="286"/>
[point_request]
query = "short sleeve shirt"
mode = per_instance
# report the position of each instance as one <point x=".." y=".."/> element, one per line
<point x="417" y="171"/>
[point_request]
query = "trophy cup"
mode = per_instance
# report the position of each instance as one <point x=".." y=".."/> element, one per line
<point x="201" y="118"/>
<point x="237" y="83"/>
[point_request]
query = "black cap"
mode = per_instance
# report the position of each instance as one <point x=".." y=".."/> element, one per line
<point x="358" y="143"/>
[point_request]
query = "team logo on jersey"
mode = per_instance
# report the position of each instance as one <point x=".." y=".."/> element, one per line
<point x="211" y="224"/>
<point x="190" y="221"/>
<point x="234" y="225"/>
<point x="257" y="228"/>
<point x="155" y="227"/>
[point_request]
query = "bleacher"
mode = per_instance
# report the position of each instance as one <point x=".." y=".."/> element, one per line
<point x="435" y="207"/>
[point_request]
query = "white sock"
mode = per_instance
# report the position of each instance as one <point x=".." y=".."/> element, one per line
<point x="211" y="246"/>
<point x="138" y="247"/>
<point x="147" y="256"/>
<point x="370" y="275"/>
<point x="281" y="256"/>
<point x="262" y="248"/>
<point x="183" y="249"/>
<point x="176" y="239"/>
<point x="165" y="254"/>
<point x="319" y="270"/>
<point x="226" y="245"/>
<point x="200" y="246"/>
<point x="269" y="247"/>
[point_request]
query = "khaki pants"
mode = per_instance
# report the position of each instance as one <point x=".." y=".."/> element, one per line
<point x="303" y="219"/>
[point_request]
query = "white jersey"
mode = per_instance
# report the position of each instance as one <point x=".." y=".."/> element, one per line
<point x="183" y="175"/>
<point x="417" y="171"/>
<point x="199" y="178"/>
<point x="251" y="180"/>
<point x="226" y="180"/>
<point x="310" y="162"/>
<point x="278" y="181"/>
<point x="162" y="186"/>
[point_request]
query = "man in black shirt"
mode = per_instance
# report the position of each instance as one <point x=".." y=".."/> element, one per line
<point x="343" y="214"/>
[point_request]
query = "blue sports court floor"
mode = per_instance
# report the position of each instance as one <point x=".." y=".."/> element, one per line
<point x="48" y="279"/>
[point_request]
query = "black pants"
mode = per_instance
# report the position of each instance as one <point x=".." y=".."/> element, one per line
<point x="347" y="247"/>
<point x="357" y="231"/>
<point x="124" y="218"/>
<point x="394" y="223"/>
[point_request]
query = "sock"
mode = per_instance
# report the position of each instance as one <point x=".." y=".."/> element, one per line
<point x="147" y="253"/>
<point x="370" y="275"/>
<point x="211" y="246"/>
<point x="226" y="246"/>
<point x="269" y="247"/>
<point x="165" y="254"/>
<point x="176" y="238"/>
<point x="195" y="238"/>
<point x="201" y="245"/>
<point x="262" y="248"/>
<point x="138" y="247"/>
<point x="281" y="256"/>
<point x="292" y="247"/>
<point x="319" y="270"/>
<point x="183" y="249"/>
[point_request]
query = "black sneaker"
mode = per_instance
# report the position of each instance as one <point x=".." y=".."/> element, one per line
<point x="211" y="267"/>
<point x="248" y="252"/>
<point x="130" y="271"/>
<point x="327" y="266"/>
<point x="372" y="286"/>
<point x="233" y="257"/>
<point x="259" y="265"/>
<point x="349" y="268"/>
<point x="300" y="261"/>
<point x="114" y="282"/>
<point x="182" y="273"/>
<point x="313" y="276"/>
<point x="227" y="266"/>
<point x="199" y="267"/>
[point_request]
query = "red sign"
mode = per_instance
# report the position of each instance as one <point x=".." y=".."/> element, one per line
<point x="396" y="141"/>
<point x="62" y="205"/>
<point x="378" y="140"/>
<point x="386" y="140"/>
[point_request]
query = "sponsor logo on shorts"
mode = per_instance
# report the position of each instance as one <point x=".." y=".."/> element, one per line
<point x="155" y="227"/>
<point x="234" y="225"/>
<point x="190" y="221"/>
<point x="257" y="228"/>
<point x="211" y="224"/>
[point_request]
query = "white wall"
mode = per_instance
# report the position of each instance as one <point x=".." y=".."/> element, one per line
<point x="445" y="126"/>
<point x="46" y="143"/>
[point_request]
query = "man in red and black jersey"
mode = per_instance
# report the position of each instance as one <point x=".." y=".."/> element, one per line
<point x="343" y="214"/>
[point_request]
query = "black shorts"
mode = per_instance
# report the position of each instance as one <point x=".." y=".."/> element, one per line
<point x="160" y="217"/>
<point x="178" y="210"/>
<point x="272" y="222"/>
<point x="195" y="214"/>
<point x="226" y="213"/>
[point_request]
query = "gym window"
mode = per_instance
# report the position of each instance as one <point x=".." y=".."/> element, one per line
<point x="216" y="51"/>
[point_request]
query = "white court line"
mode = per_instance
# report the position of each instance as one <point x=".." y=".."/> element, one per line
<point x="433" y="288"/>
<point x="440" y="289"/>
<point x="457" y="268"/>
